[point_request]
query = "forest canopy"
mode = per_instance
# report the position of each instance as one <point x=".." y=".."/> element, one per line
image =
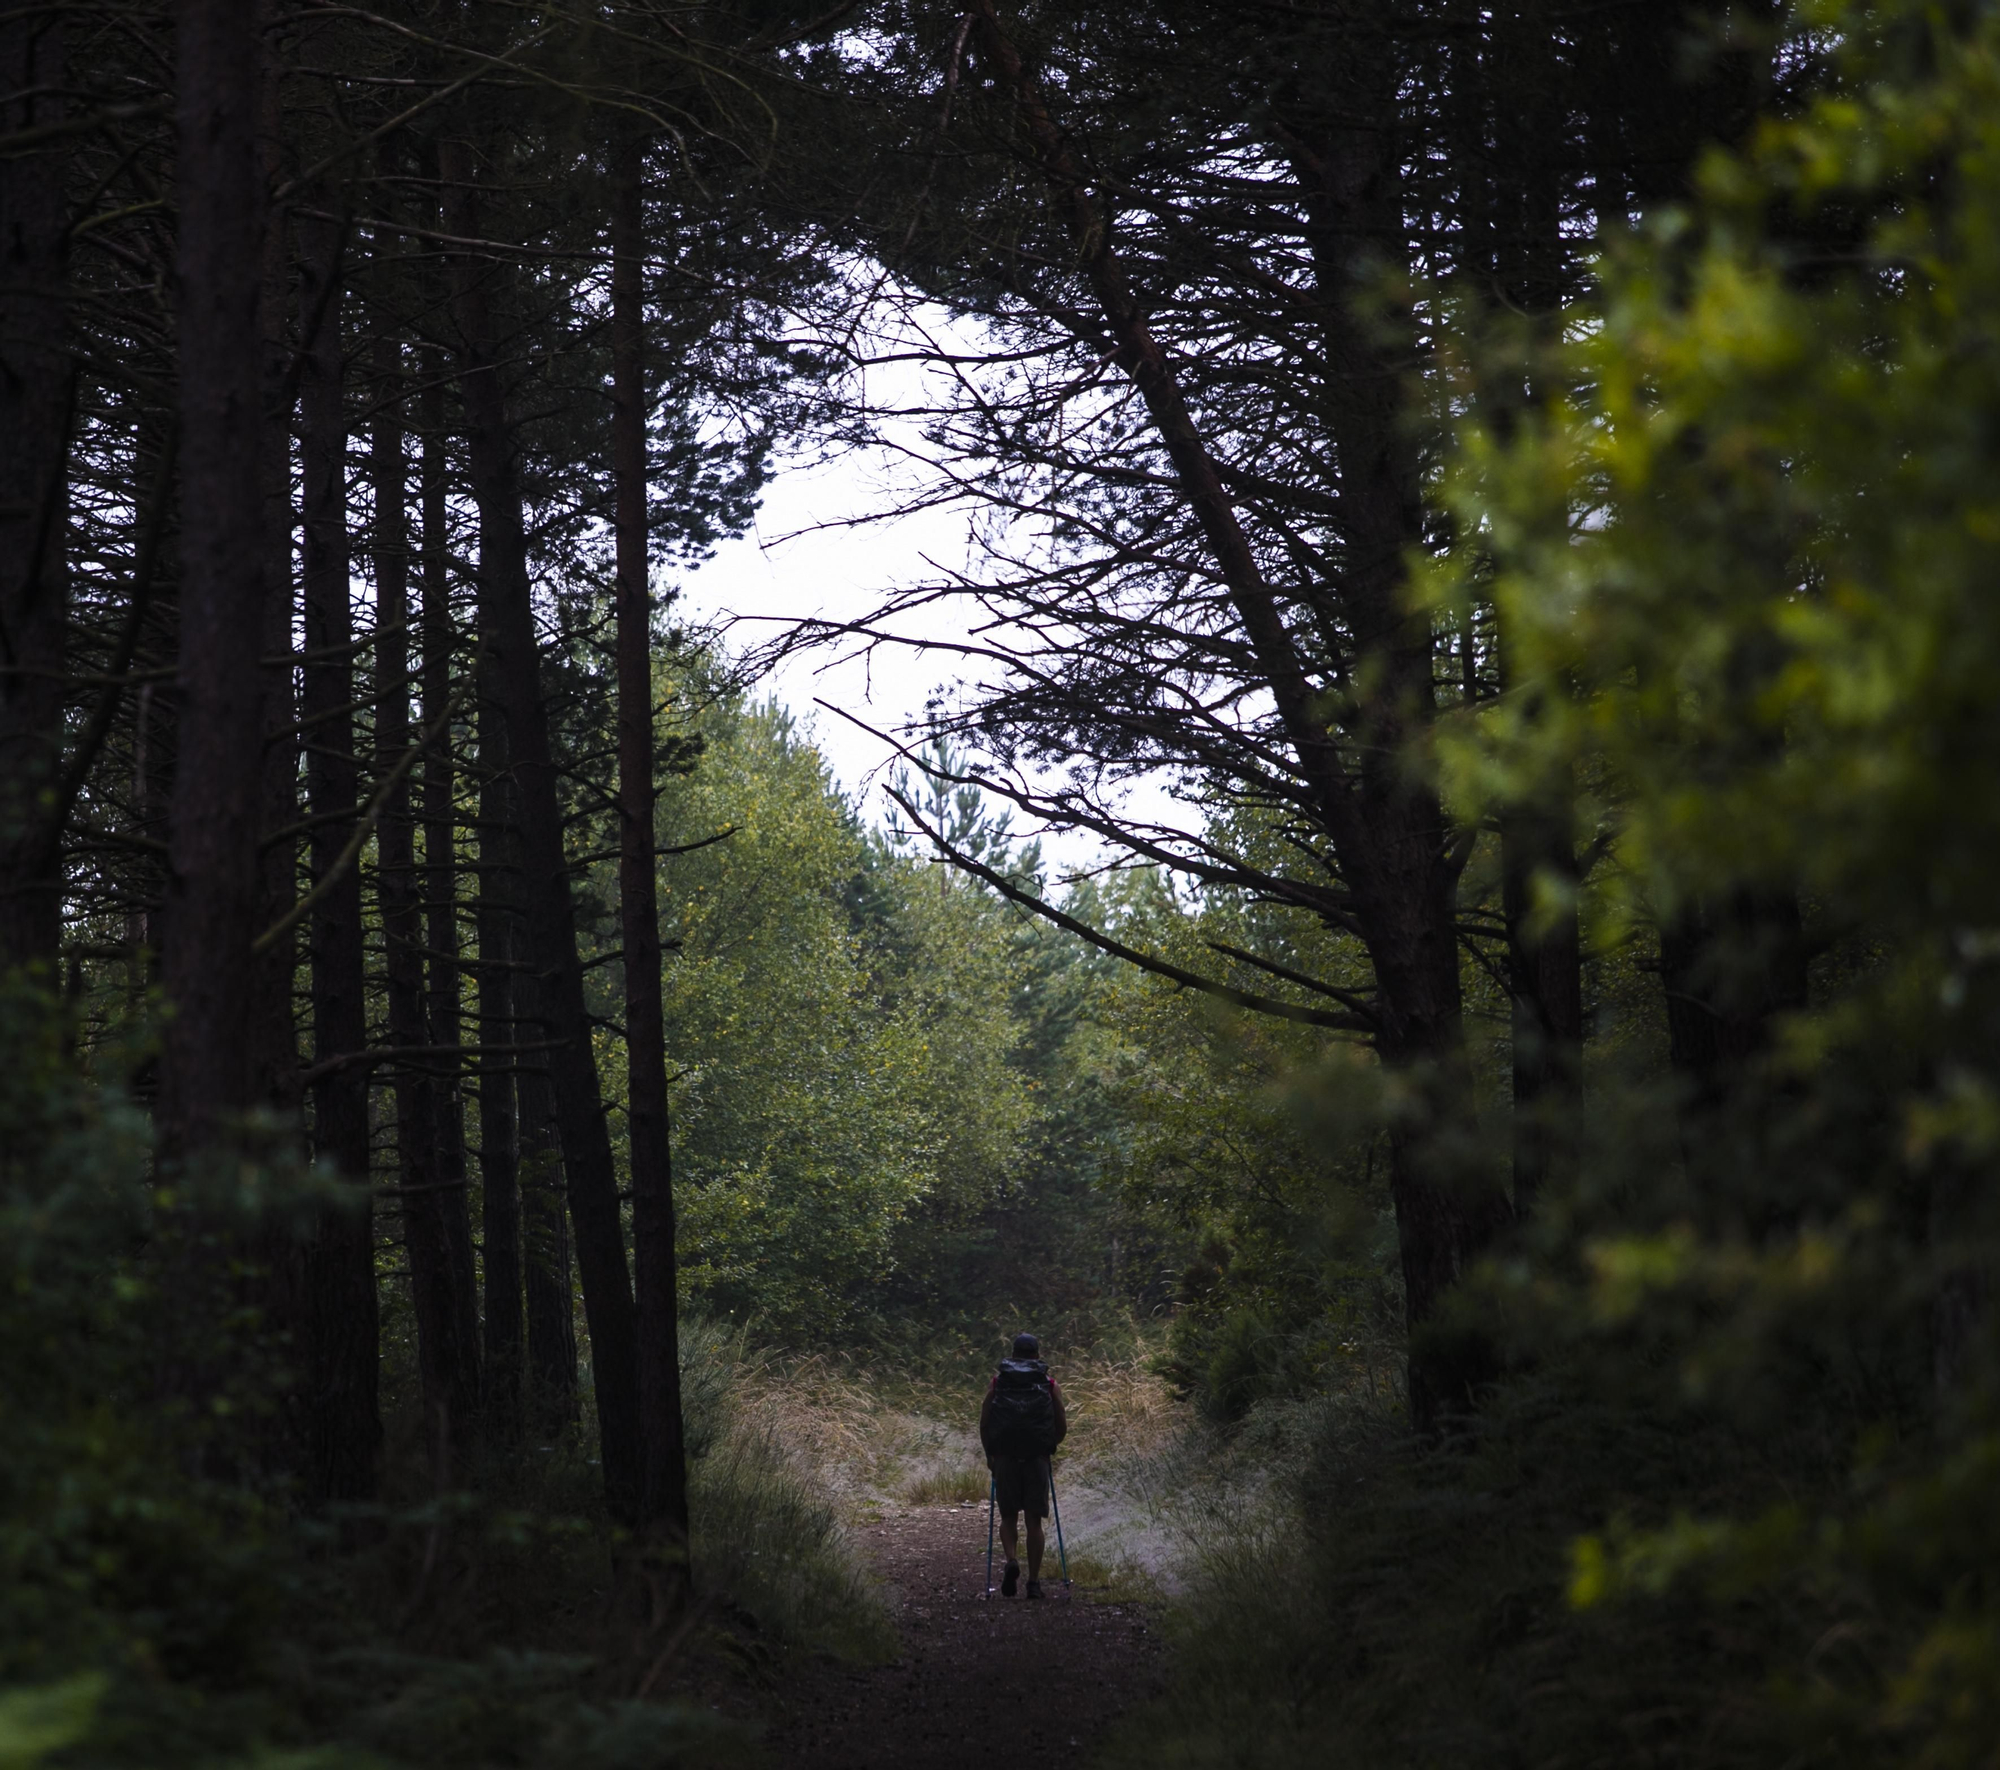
<point x="1515" y="483"/>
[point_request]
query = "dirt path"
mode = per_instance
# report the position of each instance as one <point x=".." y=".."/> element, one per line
<point x="999" y="1682"/>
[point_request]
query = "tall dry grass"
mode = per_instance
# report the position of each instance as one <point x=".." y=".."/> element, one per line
<point x="877" y="1435"/>
<point x="770" y="1529"/>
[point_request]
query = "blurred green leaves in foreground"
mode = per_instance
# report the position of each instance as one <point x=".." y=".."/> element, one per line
<point x="37" y="1721"/>
<point x="1745" y="567"/>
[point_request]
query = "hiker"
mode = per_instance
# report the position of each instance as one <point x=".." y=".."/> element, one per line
<point x="1020" y="1422"/>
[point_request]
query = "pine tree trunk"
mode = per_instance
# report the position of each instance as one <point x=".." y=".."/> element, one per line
<point x="396" y="882"/>
<point x="436" y="1213"/>
<point x="274" y="1015"/>
<point x="434" y="1202"/>
<point x="551" y="1295"/>
<point x="436" y="787"/>
<point x="318" y="1445"/>
<point x="549" y="925"/>
<point x="655" y="1260"/>
<point x="1545" y="990"/>
<point x="443" y="1295"/>
<point x="340" y="1307"/>
<point x="507" y="629"/>
<point x="499" y="1027"/>
<point x="212" y="887"/>
<point x="1391" y="834"/>
<point x="36" y="397"/>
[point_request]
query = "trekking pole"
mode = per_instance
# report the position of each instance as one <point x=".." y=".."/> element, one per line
<point x="1055" y="1505"/>
<point x="990" y="1496"/>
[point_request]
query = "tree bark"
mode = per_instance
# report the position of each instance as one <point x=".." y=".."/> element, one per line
<point x="436" y="1218"/>
<point x="437" y="1222"/>
<point x="655" y="1261"/>
<point x="37" y="383"/>
<point x="551" y="1296"/>
<point x="499" y="1027"/>
<point x="340" y="1305"/>
<point x="1391" y="835"/>
<point x="1545" y="991"/>
<point x="274" y="1016"/>
<point x="507" y="629"/>
<point x="294" y="1270"/>
<point x="443" y="1294"/>
<point x="212" y="886"/>
<point x="396" y="881"/>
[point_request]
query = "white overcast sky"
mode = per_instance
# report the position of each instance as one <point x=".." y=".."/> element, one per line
<point x="809" y="555"/>
<point x="801" y="560"/>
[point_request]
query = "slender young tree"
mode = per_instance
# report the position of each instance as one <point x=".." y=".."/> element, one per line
<point x="547" y="1274"/>
<point x="333" y="773"/>
<point x="1516" y="83"/>
<point x="655" y="1259"/>
<point x="272" y="1008"/>
<point x="430" y="1195"/>
<point x="397" y="885"/>
<point x="437" y="786"/>
<point x="499" y="1030"/>
<point x="507" y="634"/>
<point x="339" y="1303"/>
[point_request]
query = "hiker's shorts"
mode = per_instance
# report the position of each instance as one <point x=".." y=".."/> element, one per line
<point x="1021" y="1484"/>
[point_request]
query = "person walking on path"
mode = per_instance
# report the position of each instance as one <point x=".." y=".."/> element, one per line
<point x="1021" y="1422"/>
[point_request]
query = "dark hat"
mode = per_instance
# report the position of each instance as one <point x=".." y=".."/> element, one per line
<point x="1027" y="1346"/>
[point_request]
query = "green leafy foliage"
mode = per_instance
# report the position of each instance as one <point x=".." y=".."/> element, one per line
<point x="800" y="1137"/>
<point x="1272" y="1225"/>
<point x="879" y="1104"/>
<point x="1734" y="1505"/>
<point x="520" y="1708"/>
<point x="115" y="1550"/>
<point x="1756" y="548"/>
<point x="39" y="1720"/>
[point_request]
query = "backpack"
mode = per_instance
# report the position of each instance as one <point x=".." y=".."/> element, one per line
<point x="1022" y="1421"/>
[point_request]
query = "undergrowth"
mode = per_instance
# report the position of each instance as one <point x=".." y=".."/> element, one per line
<point x="154" y="1612"/>
<point x="877" y="1432"/>
<point x="768" y="1530"/>
<point x="1391" y="1605"/>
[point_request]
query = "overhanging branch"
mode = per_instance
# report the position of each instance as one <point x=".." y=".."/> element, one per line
<point x="1207" y="986"/>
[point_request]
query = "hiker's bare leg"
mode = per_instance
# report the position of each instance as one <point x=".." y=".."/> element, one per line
<point x="1010" y="1542"/>
<point x="1034" y="1547"/>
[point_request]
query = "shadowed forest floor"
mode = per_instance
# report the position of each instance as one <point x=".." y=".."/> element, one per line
<point x="975" y="1682"/>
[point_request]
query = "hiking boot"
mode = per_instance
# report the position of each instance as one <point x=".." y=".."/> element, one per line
<point x="1010" y="1576"/>
<point x="1034" y="1588"/>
